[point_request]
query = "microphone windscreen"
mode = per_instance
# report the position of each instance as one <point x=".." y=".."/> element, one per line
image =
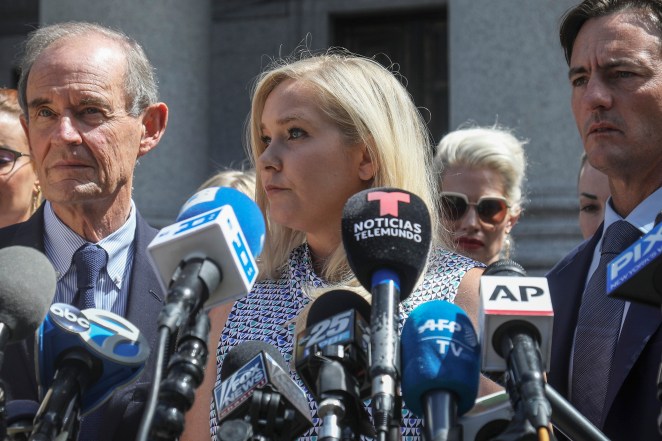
<point x="245" y="209"/>
<point x="27" y="287"/>
<point x="334" y="302"/>
<point x="244" y="352"/>
<point x="440" y="352"/>
<point x="505" y="267"/>
<point x="387" y="228"/>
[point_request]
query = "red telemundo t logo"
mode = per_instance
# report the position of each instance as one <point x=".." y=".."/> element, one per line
<point x="388" y="202"/>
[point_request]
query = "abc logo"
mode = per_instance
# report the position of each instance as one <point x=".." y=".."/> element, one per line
<point x="69" y="317"/>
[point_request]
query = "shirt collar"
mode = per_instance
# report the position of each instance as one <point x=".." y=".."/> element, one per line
<point x="642" y="217"/>
<point x="63" y="242"/>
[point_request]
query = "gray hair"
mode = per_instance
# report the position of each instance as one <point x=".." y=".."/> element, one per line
<point x="494" y="148"/>
<point x="139" y="80"/>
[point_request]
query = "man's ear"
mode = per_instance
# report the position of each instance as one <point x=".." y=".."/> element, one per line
<point x="154" y="120"/>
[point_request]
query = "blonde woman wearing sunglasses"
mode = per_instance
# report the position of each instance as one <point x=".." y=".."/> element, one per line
<point x="20" y="194"/>
<point x="482" y="173"/>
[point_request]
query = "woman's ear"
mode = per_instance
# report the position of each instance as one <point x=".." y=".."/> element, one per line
<point x="512" y="220"/>
<point x="367" y="169"/>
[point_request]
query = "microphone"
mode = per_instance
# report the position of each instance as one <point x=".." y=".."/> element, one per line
<point x="205" y="249"/>
<point x="386" y="233"/>
<point x="635" y="275"/>
<point x="517" y="315"/>
<point x="27" y="287"/>
<point x="441" y="368"/>
<point x="83" y="357"/>
<point x="258" y="397"/>
<point x="332" y="359"/>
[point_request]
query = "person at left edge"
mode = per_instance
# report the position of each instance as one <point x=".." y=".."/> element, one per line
<point x="90" y="110"/>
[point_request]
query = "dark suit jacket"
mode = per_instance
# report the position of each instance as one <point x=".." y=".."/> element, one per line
<point x="631" y="407"/>
<point x="123" y="412"/>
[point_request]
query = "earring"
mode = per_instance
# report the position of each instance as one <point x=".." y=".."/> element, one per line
<point x="507" y="247"/>
<point x="36" y="198"/>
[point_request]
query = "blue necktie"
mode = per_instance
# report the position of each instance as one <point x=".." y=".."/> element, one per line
<point x="598" y="327"/>
<point x="90" y="259"/>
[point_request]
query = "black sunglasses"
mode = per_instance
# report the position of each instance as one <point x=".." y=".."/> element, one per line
<point x="490" y="209"/>
<point x="8" y="158"/>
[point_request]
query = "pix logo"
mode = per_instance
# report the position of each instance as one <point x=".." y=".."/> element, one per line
<point x="388" y="202"/>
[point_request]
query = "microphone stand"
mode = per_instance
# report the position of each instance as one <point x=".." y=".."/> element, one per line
<point x="185" y="374"/>
<point x="569" y="421"/>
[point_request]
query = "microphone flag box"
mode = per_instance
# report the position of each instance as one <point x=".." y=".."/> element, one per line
<point x="216" y="235"/>
<point x="117" y="344"/>
<point x="511" y="299"/>
<point x="233" y="396"/>
<point x="636" y="274"/>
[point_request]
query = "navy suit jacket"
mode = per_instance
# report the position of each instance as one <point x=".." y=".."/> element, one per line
<point x="123" y="412"/>
<point x="631" y="406"/>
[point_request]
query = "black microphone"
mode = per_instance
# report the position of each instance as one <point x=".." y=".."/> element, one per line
<point x="332" y="359"/>
<point x="257" y="396"/>
<point x="517" y="312"/>
<point x="386" y="233"/>
<point x="27" y="287"/>
<point x="635" y="275"/>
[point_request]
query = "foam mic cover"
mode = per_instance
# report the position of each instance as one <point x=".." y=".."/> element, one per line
<point x="386" y="228"/>
<point x="27" y="287"/>
<point x="335" y="302"/>
<point x="440" y="352"/>
<point x="248" y="213"/>
<point x="228" y="236"/>
<point x="636" y="274"/>
<point x="117" y="347"/>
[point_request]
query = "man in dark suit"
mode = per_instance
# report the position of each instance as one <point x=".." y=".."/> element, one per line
<point x="613" y="49"/>
<point x="90" y="110"/>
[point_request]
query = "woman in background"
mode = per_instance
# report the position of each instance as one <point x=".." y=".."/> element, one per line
<point x="20" y="195"/>
<point x="481" y="170"/>
<point x="593" y="192"/>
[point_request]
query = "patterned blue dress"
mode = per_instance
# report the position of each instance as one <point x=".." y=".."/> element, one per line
<point x="268" y="314"/>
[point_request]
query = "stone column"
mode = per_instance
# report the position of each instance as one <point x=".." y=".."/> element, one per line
<point x="506" y="65"/>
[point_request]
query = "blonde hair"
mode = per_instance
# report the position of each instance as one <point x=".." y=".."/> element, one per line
<point x="494" y="148"/>
<point x="242" y="180"/>
<point x="370" y="106"/>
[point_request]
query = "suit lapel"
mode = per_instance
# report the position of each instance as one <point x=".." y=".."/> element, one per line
<point x="145" y="292"/>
